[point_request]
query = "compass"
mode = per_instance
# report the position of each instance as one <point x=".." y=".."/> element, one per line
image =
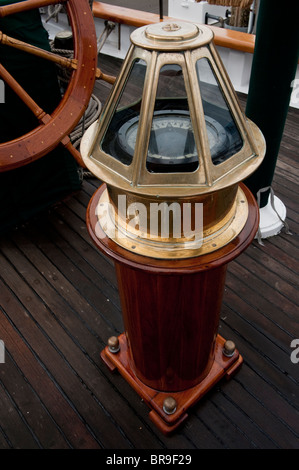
<point x="172" y="146"/>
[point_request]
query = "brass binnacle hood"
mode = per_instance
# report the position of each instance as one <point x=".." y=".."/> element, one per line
<point x="173" y="133"/>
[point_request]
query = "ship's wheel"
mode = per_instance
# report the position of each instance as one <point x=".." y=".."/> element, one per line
<point x="54" y="128"/>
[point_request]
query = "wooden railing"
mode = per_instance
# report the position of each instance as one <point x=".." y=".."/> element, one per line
<point x="222" y="37"/>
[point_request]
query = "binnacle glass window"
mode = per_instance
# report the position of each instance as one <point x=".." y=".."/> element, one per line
<point x="120" y="138"/>
<point x="223" y="135"/>
<point x="172" y="147"/>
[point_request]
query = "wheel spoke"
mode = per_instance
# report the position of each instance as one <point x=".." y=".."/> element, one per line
<point x="26" y="5"/>
<point x="63" y="61"/>
<point x="23" y="46"/>
<point x="23" y="95"/>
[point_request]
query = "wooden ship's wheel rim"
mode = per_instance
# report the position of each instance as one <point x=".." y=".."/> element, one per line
<point x="55" y="128"/>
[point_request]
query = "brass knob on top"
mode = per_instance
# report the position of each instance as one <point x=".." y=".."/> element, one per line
<point x="169" y="405"/>
<point x="113" y="344"/>
<point x="229" y="348"/>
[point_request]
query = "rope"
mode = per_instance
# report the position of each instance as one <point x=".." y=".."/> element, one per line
<point x="91" y="115"/>
<point x="109" y="27"/>
<point x="94" y="106"/>
<point x="64" y="74"/>
<point x="53" y="12"/>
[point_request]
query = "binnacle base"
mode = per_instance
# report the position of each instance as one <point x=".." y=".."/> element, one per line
<point x="223" y="367"/>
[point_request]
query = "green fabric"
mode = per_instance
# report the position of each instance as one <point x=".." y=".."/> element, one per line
<point x="30" y="189"/>
<point x="26" y="26"/>
<point x="274" y="66"/>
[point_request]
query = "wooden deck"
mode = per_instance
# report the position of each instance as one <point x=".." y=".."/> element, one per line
<point x="59" y="305"/>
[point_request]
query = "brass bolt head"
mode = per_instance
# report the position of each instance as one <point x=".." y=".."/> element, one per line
<point x="229" y="348"/>
<point x="113" y="344"/>
<point x="169" y="405"/>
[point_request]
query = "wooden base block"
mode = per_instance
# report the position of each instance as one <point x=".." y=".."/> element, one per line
<point x="167" y="423"/>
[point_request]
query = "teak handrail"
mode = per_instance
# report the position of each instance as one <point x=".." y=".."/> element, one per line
<point x="122" y="15"/>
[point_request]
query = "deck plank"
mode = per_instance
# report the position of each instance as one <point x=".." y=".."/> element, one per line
<point x="32" y="411"/>
<point x="44" y="385"/>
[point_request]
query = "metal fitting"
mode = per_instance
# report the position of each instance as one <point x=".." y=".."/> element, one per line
<point x="229" y="348"/>
<point x="169" y="405"/>
<point x="113" y="344"/>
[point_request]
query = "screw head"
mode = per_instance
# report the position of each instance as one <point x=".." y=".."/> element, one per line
<point x="229" y="348"/>
<point x="113" y="344"/>
<point x="169" y="405"/>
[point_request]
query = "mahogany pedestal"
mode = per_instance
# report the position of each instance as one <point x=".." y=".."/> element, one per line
<point x="171" y="311"/>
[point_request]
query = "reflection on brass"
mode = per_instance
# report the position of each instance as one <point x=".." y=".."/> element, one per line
<point x="215" y="186"/>
<point x="169" y="405"/>
<point x="229" y="348"/>
<point x="113" y="344"/>
<point x="137" y="238"/>
<point x="171" y="27"/>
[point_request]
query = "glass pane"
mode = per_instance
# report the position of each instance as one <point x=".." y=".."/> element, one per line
<point x="120" y="137"/>
<point x="172" y="146"/>
<point x="223" y="134"/>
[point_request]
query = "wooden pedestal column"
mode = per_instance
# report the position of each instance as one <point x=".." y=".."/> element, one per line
<point x="171" y="310"/>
